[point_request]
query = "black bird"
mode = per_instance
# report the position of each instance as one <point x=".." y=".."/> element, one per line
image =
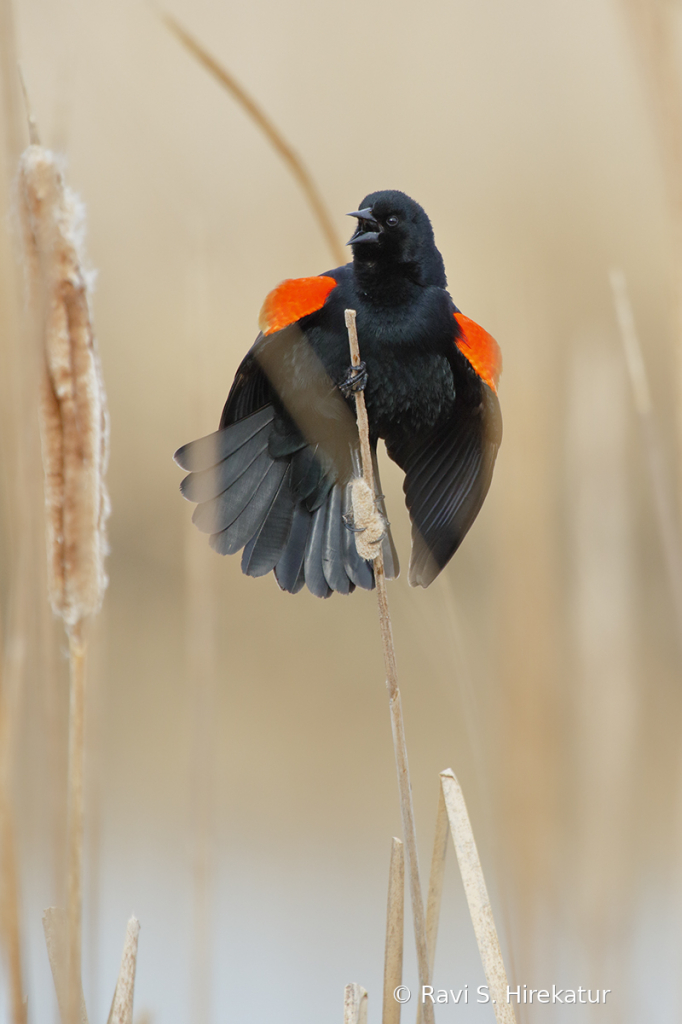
<point x="275" y="477"/>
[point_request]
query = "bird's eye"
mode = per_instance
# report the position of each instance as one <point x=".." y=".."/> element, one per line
<point x="392" y="221"/>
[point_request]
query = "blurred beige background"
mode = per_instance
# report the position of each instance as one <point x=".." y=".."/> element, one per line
<point x="241" y="785"/>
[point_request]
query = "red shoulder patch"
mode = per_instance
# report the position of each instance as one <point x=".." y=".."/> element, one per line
<point x="291" y="300"/>
<point x="481" y="349"/>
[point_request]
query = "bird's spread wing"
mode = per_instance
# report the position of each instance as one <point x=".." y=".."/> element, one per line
<point x="275" y="478"/>
<point x="447" y="476"/>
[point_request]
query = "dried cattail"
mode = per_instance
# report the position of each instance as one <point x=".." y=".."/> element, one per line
<point x="368" y="523"/>
<point x="74" y="437"/>
<point x="73" y="416"/>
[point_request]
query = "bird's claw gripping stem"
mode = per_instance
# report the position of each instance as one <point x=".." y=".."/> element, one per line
<point x="355" y="380"/>
<point x="350" y="525"/>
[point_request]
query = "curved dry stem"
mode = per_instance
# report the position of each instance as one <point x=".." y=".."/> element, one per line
<point x="272" y="134"/>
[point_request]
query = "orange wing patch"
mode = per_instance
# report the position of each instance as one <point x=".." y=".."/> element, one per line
<point x="291" y="300"/>
<point x="481" y="349"/>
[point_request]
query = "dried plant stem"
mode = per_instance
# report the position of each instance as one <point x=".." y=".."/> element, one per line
<point x="433" y="901"/>
<point x="272" y="134"/>
<point x="9" y="900"/>
<point x="663" y="500"/>
<point x="354" y="1004"/>
<point x="477" y="897"/>
<point x="122" y="1005"/>
<point x="56" y="927"/>
<point x="653" y="28"/>
<point x="435" y="894"/>
<point x="397" y="725"/>
<point x="395" y="929"/>
<point x="10" y="932"/>
<point x="75" y="818"/>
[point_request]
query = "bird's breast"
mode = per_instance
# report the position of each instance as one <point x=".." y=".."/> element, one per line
<point x="408" y="391"/>
<point x="410" y="381"/>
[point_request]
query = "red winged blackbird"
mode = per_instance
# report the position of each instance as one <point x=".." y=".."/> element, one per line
<point x="275" y="478"/>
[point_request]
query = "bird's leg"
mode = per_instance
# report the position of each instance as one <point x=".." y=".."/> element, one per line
<point x="355" y="380"/>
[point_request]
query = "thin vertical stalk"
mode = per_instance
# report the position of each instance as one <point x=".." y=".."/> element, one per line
<point x="660" y="479"/>
<point x="433" y="901"/>
<point x="395" y="929"/>
<point x="56" y="928"/>
<point x="9" y="892"/>
<point x="435" y="893"/>
<point x="75" y="820"/>
<point x="10" y="930"/>
<point x="395" y="706"/>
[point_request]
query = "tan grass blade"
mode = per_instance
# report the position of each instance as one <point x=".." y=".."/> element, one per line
<point x="354" y="1004"/>
<point x="201" y="632"/>
<point x="122" y="1005"/>
<point x="56" y="927"/>
<point x="272" y="134"/>
<point x="395" y="930"/>
<point x="19" y="601"/>
<point x="660" y="479"/>
<point x="395" y="705"/>
<point x="477" y="897"/>
<point x="653" y="29"/>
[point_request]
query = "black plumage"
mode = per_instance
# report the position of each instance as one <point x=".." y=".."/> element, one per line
<point x="275" y="478"/>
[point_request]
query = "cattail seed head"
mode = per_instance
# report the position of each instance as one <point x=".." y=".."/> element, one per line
<point x="73" y="416"/>
<point x="367" y="519"/>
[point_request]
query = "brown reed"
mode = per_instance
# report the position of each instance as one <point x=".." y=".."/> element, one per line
<point x="397" y="724"/>
<point x="74" y="440"/>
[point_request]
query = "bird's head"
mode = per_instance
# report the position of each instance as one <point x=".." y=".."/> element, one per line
<point x="392" y="228"/>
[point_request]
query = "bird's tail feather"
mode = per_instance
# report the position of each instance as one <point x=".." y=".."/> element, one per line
<point x="248" y="499"/>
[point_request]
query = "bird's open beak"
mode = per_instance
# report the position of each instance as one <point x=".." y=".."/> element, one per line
<point x="368" y="228"/>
